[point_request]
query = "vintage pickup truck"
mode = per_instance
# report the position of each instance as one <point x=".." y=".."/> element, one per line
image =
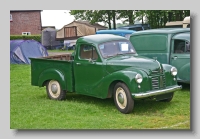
<point x="168" y="46"/>
<point x="105" y="66"/>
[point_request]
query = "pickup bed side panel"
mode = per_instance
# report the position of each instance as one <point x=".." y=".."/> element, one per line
<point x="43" y="70"/>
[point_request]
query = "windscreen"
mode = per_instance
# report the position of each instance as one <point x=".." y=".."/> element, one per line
<point x="113" y="48"/>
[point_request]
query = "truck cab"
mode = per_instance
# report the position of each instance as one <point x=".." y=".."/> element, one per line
<point x="105" y="66"/>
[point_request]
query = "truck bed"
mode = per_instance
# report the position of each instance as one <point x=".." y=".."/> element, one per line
<point x="57" y="63"/>
<point x="64" y="57"/>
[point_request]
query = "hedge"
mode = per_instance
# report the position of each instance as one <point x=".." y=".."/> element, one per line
<point x="26" y="37"/>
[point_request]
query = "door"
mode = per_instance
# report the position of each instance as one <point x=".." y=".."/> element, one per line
<point x="180" y="58"/>
<point x="88" y="70"/>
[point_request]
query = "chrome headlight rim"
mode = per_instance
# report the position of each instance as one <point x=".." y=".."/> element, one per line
<point x="138" y="78"/>
<point x="174" y="71"/>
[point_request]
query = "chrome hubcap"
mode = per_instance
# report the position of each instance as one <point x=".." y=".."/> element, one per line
<point x="121" y="98"/>
<point x="54" y="88"/>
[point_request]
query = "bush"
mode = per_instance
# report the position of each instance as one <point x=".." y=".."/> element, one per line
<point x="26" y="37"/>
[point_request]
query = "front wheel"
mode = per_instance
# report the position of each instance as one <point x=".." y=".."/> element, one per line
<point x="54" y="90"/>
<point x="122" y="98"/>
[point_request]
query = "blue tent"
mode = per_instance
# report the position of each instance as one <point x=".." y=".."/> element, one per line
<point x="22" y="50"/>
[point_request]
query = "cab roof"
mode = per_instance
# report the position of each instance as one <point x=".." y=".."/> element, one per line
<point x="185" y="36"/>
<point x="100" y="38"/>
<point x="115" y="31"/>
<point x="162" y="31"/>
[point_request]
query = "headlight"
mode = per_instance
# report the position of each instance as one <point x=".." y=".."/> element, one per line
<point x="173" y="71"/>
<point x="138" y="78"/>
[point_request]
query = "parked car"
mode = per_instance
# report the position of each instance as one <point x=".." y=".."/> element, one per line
<point x="124" y="33"/>
<point x="136" y="27"/>
<point x="168" y="46"/>
<point x="105" y="66"/>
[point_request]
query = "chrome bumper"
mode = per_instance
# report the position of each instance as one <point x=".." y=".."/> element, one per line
<point x="157" y="92"/>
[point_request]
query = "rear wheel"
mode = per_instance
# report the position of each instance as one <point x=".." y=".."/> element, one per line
<point x="122" y="98"/>
<point x="54" y="90"/>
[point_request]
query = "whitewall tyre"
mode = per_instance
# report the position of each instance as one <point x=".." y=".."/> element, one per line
<point x="122" y="98"/>
<point x="54" y="90"/>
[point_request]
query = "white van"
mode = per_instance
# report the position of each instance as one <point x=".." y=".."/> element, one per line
<point x="179" y="24"/>
<point x="186" y="22"/>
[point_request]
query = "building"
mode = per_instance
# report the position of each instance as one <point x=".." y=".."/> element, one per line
<point x="44" y="27"/>
<point x="25" y="22"/>
<point x="78" y="29"/>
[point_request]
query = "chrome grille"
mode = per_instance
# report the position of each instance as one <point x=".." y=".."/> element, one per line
<point x="158" y="79"/>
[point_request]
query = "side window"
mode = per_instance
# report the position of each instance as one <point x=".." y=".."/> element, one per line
<point x="88" y="52"/>
<point x="181" y="46"/>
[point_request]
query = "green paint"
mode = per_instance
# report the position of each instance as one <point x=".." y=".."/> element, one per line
<point x="94" y="74"/>
<point x="162" y="45"/>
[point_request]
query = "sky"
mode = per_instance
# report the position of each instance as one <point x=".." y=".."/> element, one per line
<point x="57" y="18"/>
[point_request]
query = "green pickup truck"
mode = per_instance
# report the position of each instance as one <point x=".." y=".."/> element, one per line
<point x="105" y="66"/>
<point x="168" y="46"/>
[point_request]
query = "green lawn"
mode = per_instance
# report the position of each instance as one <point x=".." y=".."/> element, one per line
<point x="31" y="109"/>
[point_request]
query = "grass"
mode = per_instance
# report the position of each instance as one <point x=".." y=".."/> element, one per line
<point x="31" y="109"/>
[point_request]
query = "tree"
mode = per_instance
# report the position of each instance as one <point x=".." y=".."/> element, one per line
<point x="128" y="15"/>
<point x="156" y="18"/>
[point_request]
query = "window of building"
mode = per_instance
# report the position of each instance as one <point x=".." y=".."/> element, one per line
<point x="26" y="33"/>
<point x="11" y="19"/>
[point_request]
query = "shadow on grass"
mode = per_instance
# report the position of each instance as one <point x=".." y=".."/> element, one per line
<point x="141" y="107"/>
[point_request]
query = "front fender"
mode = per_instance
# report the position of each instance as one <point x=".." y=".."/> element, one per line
<point x="127" y="76"/>
<point x="168" y="77"/>
<point x="184" y="73"/>
<point x="52" y="74"/>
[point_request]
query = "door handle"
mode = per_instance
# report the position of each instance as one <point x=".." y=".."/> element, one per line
<point x="175" y="57"/>
<point x="78" y="63"/>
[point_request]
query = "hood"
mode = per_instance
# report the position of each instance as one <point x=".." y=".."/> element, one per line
<point x="138" y="62"/>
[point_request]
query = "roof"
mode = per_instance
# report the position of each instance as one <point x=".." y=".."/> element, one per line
<point x="49" y="29"/>
<point x="96" y="25"/>
<point x="115" y="31"/>
<point x="100" y="38"/>
<point x="135" y="25"/>
<point x="25" y="10"/>
<point x="186" y="20"/>
<point x="174" y="23"/>
<point x="162" y="31"/>
<point x="185" y="35"/>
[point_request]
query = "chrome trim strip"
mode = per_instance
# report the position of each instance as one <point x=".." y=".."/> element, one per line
<point x="157" y="92"/>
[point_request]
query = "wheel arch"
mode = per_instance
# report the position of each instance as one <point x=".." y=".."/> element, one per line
<point x="126" y="77"/>
<point x="111" y="87"/>
<point x="52" y="74"/>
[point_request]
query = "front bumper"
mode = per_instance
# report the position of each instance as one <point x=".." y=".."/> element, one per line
<point x="156" y="92"/>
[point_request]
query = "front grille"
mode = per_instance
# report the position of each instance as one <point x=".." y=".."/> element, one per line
<point x="158" y="79"/>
